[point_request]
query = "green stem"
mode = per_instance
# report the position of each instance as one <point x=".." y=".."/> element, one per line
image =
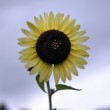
<point x="49" y="96"/>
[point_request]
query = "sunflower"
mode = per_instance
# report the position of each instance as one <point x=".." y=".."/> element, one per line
<point x="53" y="44"/>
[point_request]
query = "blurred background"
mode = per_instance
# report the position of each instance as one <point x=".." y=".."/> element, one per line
<point x="19" y="91"/>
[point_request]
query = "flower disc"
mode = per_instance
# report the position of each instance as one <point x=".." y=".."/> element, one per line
<point x="53" y="46"/>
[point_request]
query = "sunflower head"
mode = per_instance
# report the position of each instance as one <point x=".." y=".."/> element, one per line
<point x="53" y="44"/>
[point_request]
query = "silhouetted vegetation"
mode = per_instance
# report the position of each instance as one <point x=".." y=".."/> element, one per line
<point x="108" y="108"/>
<point x="3" y="107"/>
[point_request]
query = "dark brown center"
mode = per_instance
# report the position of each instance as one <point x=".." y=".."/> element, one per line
<point x="53" y="46"/>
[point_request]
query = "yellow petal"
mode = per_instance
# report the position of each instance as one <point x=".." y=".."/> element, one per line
<point x="82" y="61"/>
<point x="81" y="40"/>
<point x="67" y="69"/>
<point x="32" y="62"/>
<point x="79" y="52"/>
<point x="79" y="60"/>
<point x="28" y="33"/>
<point x="26" y="57"/>
<point x="38" y="24"/>
<point x="51" y="20"/>
<point x="79" y="65"/>
<point x="30" y="52"/>
<point x="80" y="33"/>
<point x="26" y="39"/>
<point x="56" y="74"/>
<point x="27" y="44"/>
<point x="41" y="19"/>
<point x="36" y="20"/>
<point x="24" y="50"/>
<point x="74" y="30"/>
<point x="33" y="28"/>
<point x="79" y="46"/>
<point x="27" y="50"/>
<point x="58" y="20"/>
<point x="46" y="26"/>
<point x="45" y="74"/>
<point x="48" y="75"/>
<point x="42" y="24"/>
<point x="73" y="68"/>
<point x="69" y="26"/>
<point x="37" y="67"/>
<point x="62" y="73"/>
<point x="46" y="17"/>
<point x="77" y="35"/>
<point x="64" y="23"/>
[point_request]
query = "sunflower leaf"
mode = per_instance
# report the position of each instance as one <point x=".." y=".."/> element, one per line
<point x="65" y="87"/>
<point x="41" y="84"/>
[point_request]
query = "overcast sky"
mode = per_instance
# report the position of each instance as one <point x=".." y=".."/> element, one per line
<point x="19" y="90"/>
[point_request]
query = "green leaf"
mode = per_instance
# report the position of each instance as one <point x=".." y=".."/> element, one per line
<point x="41" y="84"/>
<point x="65" y="87"/>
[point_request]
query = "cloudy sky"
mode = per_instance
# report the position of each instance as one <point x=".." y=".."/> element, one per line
<point x="19" y="90"/>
